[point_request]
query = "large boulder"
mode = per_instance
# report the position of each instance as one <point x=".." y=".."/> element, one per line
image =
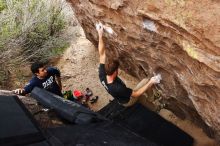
<point x="178" y="38"/>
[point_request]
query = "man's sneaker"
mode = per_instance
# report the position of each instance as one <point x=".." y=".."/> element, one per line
<point x="94" y="100"/>
<point x="88" y="92"/>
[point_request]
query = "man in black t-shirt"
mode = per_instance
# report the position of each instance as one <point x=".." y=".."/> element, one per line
<point x="46" y="78"/>
<point x="108" y="75"/>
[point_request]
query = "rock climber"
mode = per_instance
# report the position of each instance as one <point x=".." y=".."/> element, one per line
<point x="108" y="75"/>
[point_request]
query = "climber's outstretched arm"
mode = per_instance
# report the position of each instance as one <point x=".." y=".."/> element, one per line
<point x="154" y="80"/>
<point x="101" y="46"/>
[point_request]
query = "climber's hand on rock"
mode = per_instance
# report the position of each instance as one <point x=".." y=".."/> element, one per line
<point x="99" y="28"/>
<point x="156" y="79"/>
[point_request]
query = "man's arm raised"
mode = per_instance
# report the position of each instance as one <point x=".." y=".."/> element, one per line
<point x="101" y="46"/>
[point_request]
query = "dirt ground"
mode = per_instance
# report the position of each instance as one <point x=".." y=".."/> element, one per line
<point x="79" y="68"/>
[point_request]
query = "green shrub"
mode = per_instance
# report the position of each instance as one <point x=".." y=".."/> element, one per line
<point x="30" y="30"/>
<point x="2" y="5"/>
<point x="30" y="24"/>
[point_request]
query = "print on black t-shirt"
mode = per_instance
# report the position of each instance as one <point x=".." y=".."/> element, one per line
<point x="117" y="89"/>
<point x="49" y="83"/>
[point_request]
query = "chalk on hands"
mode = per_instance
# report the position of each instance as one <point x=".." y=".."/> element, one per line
<point x="157" y="78"/>
<point x="106" y="28"/>
<point x="98" y="26"/>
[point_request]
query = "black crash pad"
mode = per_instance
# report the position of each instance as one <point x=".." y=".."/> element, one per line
<point x="147" y="124"/>
<point x="68" y="110"/>
<point x="135" y="125"/>
<point x="17" y="127"/>
<point x="96" y="134"/>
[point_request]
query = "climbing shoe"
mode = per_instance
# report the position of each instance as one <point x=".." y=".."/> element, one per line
<point x="94" y="100"/>
<point x="88" y="92"/>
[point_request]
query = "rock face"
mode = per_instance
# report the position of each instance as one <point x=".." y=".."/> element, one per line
<point x="178" y="38"/>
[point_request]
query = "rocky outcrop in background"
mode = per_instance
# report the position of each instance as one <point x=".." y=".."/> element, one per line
<point x="178" y="38"/>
